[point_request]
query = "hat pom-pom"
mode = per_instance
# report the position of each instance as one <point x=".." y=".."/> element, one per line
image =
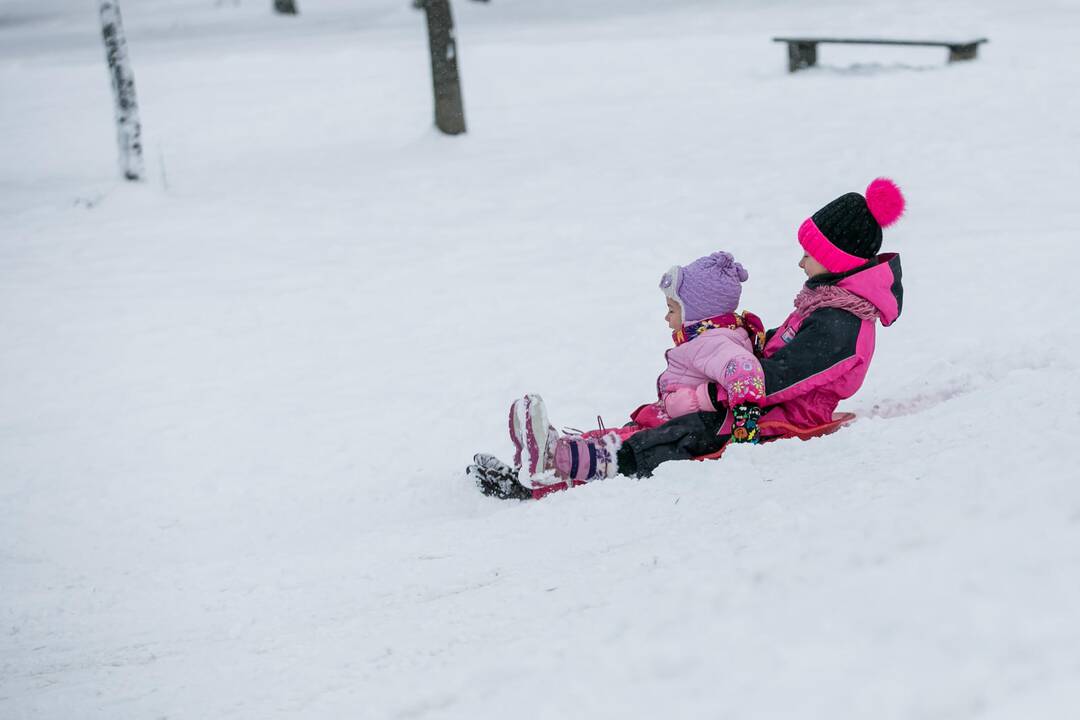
<point x="722" y="260"/>
<point x="726" y="261"/>
<point x="885" y="201"/>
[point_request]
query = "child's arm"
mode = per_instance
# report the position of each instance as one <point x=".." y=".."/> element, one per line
<point x="743" y="380"/>
<point x="737" y="371"/>
<point x="686" y="400"/>
<point x="738" y="382"/>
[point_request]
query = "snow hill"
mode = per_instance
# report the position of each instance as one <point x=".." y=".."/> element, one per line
<point x="236" y="400"/>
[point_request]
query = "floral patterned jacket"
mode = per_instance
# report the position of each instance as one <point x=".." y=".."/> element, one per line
<point x="724" y="356"/>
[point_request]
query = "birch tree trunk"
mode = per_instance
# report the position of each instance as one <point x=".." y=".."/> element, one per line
<point x="128" y="130"/>
<point x="285" y="7"/>
<point x="449" y="112"/>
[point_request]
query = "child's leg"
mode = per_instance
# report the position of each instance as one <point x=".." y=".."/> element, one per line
<point x="633" y="451"/>
<point x="682" y="438"/>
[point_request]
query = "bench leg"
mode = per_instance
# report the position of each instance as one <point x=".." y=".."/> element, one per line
<point x="801" y="55"/>
<point x="963" y="52"/>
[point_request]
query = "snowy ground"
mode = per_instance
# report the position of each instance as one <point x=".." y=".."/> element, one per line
<point x="236" y="401"/>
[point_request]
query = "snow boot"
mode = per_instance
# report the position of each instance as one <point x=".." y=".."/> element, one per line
<point x="533" y="436"/>
<point x="495" y="478"/>
<point x="579" y="460"/>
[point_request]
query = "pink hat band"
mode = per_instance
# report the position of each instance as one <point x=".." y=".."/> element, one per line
<point x="818" y="246"/>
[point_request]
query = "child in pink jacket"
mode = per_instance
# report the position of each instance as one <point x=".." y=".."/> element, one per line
<point x="711" y="367"/>
<point x="713" y="361"/>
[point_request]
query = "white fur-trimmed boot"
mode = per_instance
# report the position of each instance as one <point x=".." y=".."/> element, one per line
<point x="533" y="436"/>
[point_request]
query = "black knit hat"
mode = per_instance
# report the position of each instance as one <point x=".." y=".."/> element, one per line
<point x="848" y="224"/>
<point x="847" y="232"/>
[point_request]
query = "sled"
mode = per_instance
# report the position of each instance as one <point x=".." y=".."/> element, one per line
<point x="780" y="430"/>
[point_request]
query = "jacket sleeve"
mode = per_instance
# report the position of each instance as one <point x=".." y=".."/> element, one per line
<point x="742" y="382"/>
<point x="823" y="348"/>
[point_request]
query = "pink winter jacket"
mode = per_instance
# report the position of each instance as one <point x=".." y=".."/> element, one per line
<point x="819" y="355"/>
<point x="723" y="356"/>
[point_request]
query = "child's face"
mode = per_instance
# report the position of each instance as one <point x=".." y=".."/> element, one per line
<point x="674" y="315"/>
<point x="811" y="266"/>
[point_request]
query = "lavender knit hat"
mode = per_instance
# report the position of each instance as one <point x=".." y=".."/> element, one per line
<point x="707" y="287"/>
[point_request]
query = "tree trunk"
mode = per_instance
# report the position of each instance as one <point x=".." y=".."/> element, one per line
<point x="285" y="7"/>
<point x="449" y="113"/>
<point x="123" y="83"/>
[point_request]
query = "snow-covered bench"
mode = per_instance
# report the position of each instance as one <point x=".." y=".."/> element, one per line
<point x="802" y="51"/>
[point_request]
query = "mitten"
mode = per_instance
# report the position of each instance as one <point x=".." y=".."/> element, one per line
<point x="681" y="401"/>
<point x="744" y="423"/>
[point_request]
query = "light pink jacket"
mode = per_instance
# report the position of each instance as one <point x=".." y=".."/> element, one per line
<point x="722" y="356"/>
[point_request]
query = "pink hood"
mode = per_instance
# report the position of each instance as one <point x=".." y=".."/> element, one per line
<point x="880" y="284"/>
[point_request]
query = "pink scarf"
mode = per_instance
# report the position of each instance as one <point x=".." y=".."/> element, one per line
<point x="810" y="299"/>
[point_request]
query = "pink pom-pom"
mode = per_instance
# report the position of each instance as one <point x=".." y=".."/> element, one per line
<point x="885" y="201"/>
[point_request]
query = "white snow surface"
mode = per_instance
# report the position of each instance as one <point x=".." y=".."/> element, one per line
<point x="236" y="400"/>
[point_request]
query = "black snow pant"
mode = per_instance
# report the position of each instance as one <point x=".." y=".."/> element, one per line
<point x="681" y="438"/>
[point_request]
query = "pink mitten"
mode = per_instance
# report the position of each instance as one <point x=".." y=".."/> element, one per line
<point x="686" y="400"/>
<point x="682" y="401"/>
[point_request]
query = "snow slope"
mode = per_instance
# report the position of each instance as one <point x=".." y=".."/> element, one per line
<point x="236" y="400"/>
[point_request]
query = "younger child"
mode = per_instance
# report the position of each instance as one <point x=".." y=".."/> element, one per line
<point x="711" y="367"/>
<point x="719" y="367"/>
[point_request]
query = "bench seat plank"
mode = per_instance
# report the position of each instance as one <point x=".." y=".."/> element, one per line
<point x="876" y="41"/>
<point x="802" y="51"/>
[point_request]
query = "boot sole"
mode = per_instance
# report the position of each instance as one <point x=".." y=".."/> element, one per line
<point x="529" y="428"/>
<point x="516" y="424"/>
<point x="536" y="434"/>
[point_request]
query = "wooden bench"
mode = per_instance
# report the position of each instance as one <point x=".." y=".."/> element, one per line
<point x="802" y="52"/>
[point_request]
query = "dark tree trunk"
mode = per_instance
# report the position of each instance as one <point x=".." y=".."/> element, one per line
<point x="285" y="7"/>
<point x="123" y="83"/>
<point x="449" y="113"/>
